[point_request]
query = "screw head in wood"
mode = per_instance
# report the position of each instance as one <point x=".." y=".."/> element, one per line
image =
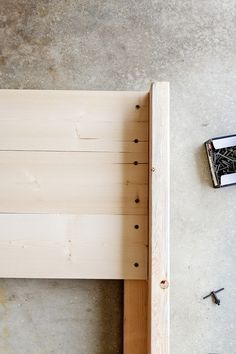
<point x="164" y="284"/>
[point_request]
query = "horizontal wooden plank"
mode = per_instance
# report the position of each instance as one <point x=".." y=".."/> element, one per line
<point x="65" y="182"/>
<point x="73" y="120"/>
<point x="72" y="246"/>
<point x="70" y="136"/>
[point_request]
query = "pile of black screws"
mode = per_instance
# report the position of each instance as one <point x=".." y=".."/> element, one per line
<point x="224" y="160"/>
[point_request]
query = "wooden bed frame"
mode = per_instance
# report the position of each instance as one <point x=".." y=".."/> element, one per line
<point x="85" y="194"/>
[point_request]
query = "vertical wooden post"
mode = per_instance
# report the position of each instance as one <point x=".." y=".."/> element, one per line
<point x="158" y="313"/>
<point x="146" y="329"/>
<point x="135" y="316"/>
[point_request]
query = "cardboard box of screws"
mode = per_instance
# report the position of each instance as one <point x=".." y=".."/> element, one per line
<point x="221" y="154"/>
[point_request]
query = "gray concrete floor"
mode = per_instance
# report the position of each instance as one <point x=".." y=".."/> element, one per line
<point x="124" y="45"/>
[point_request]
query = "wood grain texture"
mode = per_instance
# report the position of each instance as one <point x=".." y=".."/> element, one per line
<point x="73" y="120"/>
<point x="73" y="246"/>
<point x="159" y="220"/>
<point x="135" y="316"/>
<point x="66" y="182"/>
<point x="71" y="173"/>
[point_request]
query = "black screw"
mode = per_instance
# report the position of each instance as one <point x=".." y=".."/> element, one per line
<point x="136" y="141"/>
<point x="135" y="163"/>
<point x="215" y="297"/>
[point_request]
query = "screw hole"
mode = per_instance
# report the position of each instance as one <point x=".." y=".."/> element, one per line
<point x="136" y="264"/>
<point x="135" y="163"/>
<point x="136" y="226"/>
<point x="137" y="200"/>
<point x="136" y="141"/>
<point x="164" y="284"/>
<point x="137" y="106"/>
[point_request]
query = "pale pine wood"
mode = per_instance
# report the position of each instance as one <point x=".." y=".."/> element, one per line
<point x="135" y="316"/>
<point x="73" y="246"/>
<point x="73" y="120"/>
<point x="66" y="182"/>
<point x="159" y="220"/>
<point x="84" y="239"/>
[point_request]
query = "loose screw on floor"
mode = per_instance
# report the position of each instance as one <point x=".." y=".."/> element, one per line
<point x="214" y="296"/>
